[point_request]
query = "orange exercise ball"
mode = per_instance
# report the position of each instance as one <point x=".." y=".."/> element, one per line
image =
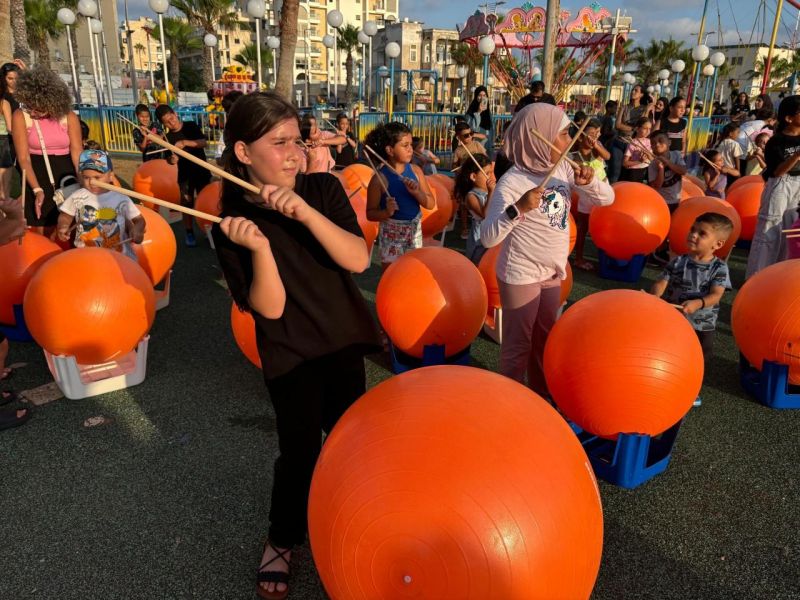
<point x="157" y="256"/>
<point x="684" y="217"/>
<point x="636" y="223"/>
<point x="356" y="175"/>
<point x="744" y="181"/>
<point x="18" y="263"/>
<point x="90" y="303"/>
<point x="244" y="332"/>
<point x="435" y="220"/>
<point x="448" y="182"/>
<point x="746" y="199"/>
<point x="431" y="296"/>
<point x="488" y="270"/>
<point x="159" y="179"/>
<point x="765" y="318"/>
<point x="208" y="201"/>
<point x="622" y="361"/>
<point x="694" y="186"/>
<point x="358" y="200"/>
<point x="566" y="285"/>
<point x="573" y="233"/>
<point x="421" y="492"/>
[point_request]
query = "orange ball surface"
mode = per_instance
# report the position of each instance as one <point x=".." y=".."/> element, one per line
<point x="766" y="320"/>
<point x="746" y="199"/>
<point x="244" y="332"/>
<point x="488" y="270"/>
<point x="431" y="296"/>
<point x="433" y="221"/>
<point x="358" y="200"/>
<point x="573" y="233"/>
<point x="355" y="175"/>
<point x="159" y="179"/>
<point x="747" y="179"/>
<point x="622" y="361"/>
<point x="421" y="492"/>
<point x="684" y="216"/>
<point x="18" y="264"/>
<point x="693" y="186"/>
<point x="208" y="201"/>
<point x="90" y="303"/>
<point x="158" y="255"/>
<point x="636" y="223"/>
<point x="448" y="182"/>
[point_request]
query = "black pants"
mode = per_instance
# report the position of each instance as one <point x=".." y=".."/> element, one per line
<point x="706" y="343"/>
<point x="308" y="400"/>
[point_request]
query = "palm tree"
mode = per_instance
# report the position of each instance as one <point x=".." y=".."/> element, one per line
<point x="657" y="55"/>
<point x="6" y="44"/>
<point x="622" y="52"/>
<point x="210" y="16"/>
<point x="179" y="37"/>
<point x="41" y="23"/>
<point x="20" y="32"/>
<point x="288" y="45"/>
<point x="248" y="57"/>
<point x="468" y="56"/>
<point x="348" y="43"/>
<point x="139" y="47"/>
<point x="780" y="69"/>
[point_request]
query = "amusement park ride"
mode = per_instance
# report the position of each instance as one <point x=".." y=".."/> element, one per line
<point x="521" y="30"/>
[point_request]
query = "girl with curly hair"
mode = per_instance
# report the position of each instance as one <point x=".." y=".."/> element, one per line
<point x="45" y="123"/>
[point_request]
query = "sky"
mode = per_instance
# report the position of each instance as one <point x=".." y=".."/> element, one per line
<point x="652" y="20"/>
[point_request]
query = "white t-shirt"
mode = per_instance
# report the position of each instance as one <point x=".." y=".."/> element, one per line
<point x="102" y="220"/>
<point x="731" y="153"/>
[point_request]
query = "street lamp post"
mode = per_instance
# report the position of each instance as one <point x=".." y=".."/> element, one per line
<point x="370" y="28"/>
<point x="102" y="51"/>
<point x="210" y="41"/>
<point x="461" y="73"/>
<point x="274" y="43"/>
<point x="364" y="40"/>
<point x="335" y="20"/>
<point x="708" y="72"/>
<point x="132" y="63"/>
<point x="88" y="8"/>
<point x="392" y="52"/>
<point x="96" y="27"/>
<point x="717" y="60"/>
<point x="160" y="7"/>
<point x="699" y="54"/>
<point x="66" y="17"/>
<point x="256" y="9"/>
<point x="381" y="73"/>
<point x="486" y="47"/>
<point x="678" y="66"/>
<point x="328" y="41"/>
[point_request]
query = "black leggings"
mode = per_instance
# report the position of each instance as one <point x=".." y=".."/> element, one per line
<point x="706" y="343"/>
<point x="308" y="400"/>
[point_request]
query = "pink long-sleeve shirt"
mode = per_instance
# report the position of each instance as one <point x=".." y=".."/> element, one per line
<point x="535" y="247"/>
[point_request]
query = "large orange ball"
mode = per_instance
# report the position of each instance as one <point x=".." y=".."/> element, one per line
<point x="157" y="256"/>
<point x="746" y="199"/>
<point x="746" y="180"/>
<point x="405" y="503"/>
<point x="488" y="270"/>
<point x="244" y="332"/>
<point x="693" y="186"/>
<point x="356" y="175"/>
<point x="358" y="200"/>
<point x="623" y="361"/>
<point x="435" y="220"/>
<point x="90" y="303"/>
<point x="18" y="263"/>
<point x="766" y="317"/>
<point x="159" y="179"/>
<point x="573" y="233"/>
<point x="684" y="217"/>
<point x="636" y="223"/>
<point x="448" y="182"/>
<point x="431" y="296"/>
<point x="208" y="201"/>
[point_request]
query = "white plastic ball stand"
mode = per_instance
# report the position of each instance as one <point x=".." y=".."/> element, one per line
<point x="493" y="324"/>
<point x="162" y="291"/>
<point x="79" y="381"/>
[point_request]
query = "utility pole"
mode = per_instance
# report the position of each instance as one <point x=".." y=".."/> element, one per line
<point x="550" y="40"/>
<point x="131" y="63"/>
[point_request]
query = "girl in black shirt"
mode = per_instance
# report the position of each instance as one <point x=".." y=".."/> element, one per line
<point x="782" y="190"/>
<point x="287" y="255"/>
<point x="674" y="125"/>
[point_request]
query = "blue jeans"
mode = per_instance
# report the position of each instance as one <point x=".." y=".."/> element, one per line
<point x="615" y="164"/>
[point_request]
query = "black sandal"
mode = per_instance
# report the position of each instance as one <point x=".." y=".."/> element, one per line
<point x="273" y="576"/>
<point x="8" y="396"/>
<point x="9" y="418"/>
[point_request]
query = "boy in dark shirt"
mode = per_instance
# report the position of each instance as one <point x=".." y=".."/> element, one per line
<point x="191" y="177"/>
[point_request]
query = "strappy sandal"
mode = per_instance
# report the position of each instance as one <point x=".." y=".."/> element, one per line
<point x="273" y="576"/>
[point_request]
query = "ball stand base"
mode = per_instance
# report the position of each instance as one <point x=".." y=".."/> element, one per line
<point x="162" y="291"/>
<point x="770" y="386"/>
<point x="432" y="354"/>
<point x="18" y="332"/>
<point x="79" y="381"/>
<point x="614" y="269"/>
<point x="630" y="460"/>
<point x="493" y="324"/>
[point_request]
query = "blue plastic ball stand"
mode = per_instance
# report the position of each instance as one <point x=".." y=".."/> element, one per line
<point x="432" y="354"/>
<point x="615" y="269"/>
<point x="770" y="386"/>
<point x="630" y="460"/>
<point x="18" y="332"/>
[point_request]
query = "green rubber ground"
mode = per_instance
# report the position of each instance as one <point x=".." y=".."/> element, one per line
<point x="170" y="500"/>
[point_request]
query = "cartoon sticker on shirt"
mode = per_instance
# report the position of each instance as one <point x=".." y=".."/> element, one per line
<point x="555" y="206"/>
<point x="100" y="228"/>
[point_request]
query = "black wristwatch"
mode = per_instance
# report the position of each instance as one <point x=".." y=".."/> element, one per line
<point x="512" y="212"/>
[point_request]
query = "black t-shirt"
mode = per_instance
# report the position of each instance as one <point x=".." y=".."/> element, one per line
<point x="780" y="147"/>
<point x="529" y="99"/>
<point x="325" y="311"/>
<point x="187" y="170"/>
<point x="348" y="154"/>
<point x="674" y="132"/>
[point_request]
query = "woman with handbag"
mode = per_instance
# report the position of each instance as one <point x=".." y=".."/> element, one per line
<point x="47" y="139"/>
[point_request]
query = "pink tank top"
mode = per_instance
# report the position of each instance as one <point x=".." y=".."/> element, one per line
<point x="56" y="138"/>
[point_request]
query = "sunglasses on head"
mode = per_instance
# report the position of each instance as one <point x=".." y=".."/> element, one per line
<point x="466" y="135"/>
